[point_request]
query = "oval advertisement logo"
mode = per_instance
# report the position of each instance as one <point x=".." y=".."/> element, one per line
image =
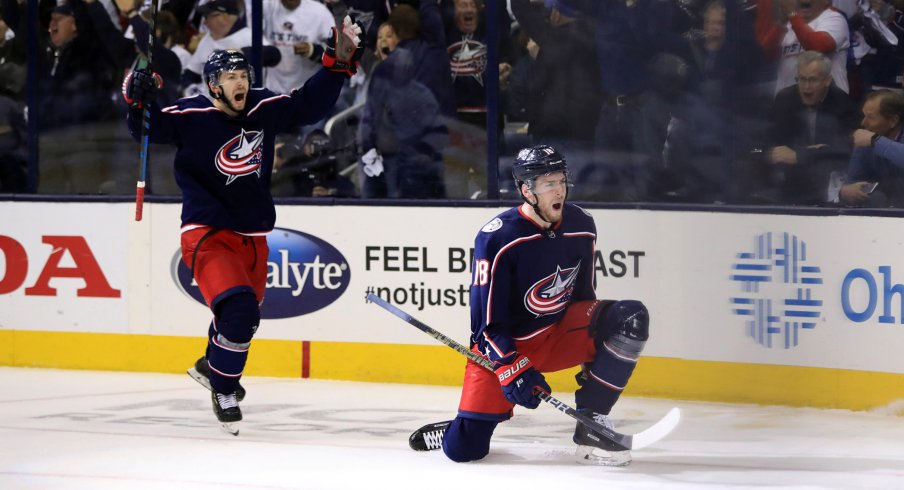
<point x="304" y="274"/>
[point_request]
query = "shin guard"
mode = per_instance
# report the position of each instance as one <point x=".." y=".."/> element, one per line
<point x="230" y="338"/>
<point x="621" y="332"/>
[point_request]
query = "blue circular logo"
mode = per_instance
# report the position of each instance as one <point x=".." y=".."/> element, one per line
<point x="779" y="290"/>
<point x="304" y="274"/>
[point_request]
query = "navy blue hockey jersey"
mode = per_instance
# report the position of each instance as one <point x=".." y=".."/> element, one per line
<point x="524" y="276"/>
<point x="223" y="164"/>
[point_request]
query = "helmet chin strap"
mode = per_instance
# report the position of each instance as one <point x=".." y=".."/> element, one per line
<point x="536" y="206"/>
<point x="220" y="95"/>
<point x="229" y="104"/>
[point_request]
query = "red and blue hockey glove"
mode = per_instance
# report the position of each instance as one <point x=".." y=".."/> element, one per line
<point x="344" y="47"/>
<point x="520" y="381"/>
<point x="141" y="87"/>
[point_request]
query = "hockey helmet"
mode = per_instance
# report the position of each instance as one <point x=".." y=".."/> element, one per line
<point x="536" y="161"/>
<point x="223" y="60"/>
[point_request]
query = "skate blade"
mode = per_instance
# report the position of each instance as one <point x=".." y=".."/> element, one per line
<point x="231" y="428"/>
<point x="200" y="378"/>
<point x="593" y="456"/>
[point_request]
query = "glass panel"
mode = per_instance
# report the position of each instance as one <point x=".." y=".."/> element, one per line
<point x="699" y="102"/>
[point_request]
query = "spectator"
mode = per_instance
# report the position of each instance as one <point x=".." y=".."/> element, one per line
<point x="812" y="123"/>
<point x="76" y="85"/>
<point x="713" y="124"/>
<point x="122" y="51"/>
<point x="421" y="33"/>
<point x="312" y="164"/>
<point x="875" y="176"/>
<point x="726" y="50"/>
<point x="12" y="51"/>
<point x="387" y="40"/>
<point x="299" y="29"/>
<point x="516" y="87"/>
<point x="565" y="90"/>
<point x="804" y="25"/>
<point x="564" y="97"/>
<point x="882" y="63"/>
<point x="13" y="162"/>
<point x="172" y="33"/>
<point x="225" y="31"/>
<point x="402" y="127"/>
<point x="467" y="46"/>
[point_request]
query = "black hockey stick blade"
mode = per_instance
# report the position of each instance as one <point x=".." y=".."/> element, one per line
<point x="640" y="440"/>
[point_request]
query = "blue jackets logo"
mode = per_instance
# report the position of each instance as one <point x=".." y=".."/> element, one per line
<point x="778" y="290"/>
<point x="304" y="274"/>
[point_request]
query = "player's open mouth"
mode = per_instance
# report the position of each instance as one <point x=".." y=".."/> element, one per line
<point x="240" y="97"/>
<point x="557" y="206"/>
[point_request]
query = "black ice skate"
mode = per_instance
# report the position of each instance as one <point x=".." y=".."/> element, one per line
<point x="200" y="372"/>
<point x="226" y="407"/>
<point x="428" y="437"/>
<point x="594" y="449"/>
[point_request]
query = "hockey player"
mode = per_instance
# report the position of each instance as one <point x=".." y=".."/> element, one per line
<point x="224" y="159"/>
<point x="534" y="310"/>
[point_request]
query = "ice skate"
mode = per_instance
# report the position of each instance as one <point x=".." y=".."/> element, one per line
<point x="226" y="407"/>
<point x="200" y="372"/>
<point x="594" y="449"/>
<point x="428" y="437"/>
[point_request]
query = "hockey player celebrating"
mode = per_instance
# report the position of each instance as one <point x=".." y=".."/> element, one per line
<point x="534" y="310"/>
<point x="224" y="159"/>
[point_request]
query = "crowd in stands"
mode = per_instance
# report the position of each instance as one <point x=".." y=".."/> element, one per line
<point x="774" y="102"/>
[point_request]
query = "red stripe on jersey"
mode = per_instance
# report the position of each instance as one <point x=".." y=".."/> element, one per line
<point x="267" y="101"/>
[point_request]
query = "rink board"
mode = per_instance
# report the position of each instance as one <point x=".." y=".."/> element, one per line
<point x="796" y="310"/>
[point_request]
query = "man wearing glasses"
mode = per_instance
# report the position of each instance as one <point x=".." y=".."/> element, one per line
<point x="811" y="126"/>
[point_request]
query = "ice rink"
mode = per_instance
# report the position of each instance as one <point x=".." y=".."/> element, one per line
<point x="115" y="430"/>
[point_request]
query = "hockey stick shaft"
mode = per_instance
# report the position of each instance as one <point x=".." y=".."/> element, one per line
<point x="145" y="122"/>
<point x="622" y="440"/>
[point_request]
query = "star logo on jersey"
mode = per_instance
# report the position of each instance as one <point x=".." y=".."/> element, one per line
<point x="241" y="155"/>
<point x="551" y="294"/>
<point x="468" y="58"/>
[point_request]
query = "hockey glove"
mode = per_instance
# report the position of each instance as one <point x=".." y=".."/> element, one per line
<point x="344" y="48"/>
<point x="520" y="381"/>
<point x="141" y="87"/>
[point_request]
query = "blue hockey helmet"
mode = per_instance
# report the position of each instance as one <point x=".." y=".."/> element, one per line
<point x="223" y="60"/>
<point x="536" y="161"/>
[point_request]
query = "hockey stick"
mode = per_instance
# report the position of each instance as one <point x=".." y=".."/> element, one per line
<point x="145" y="122"/>
<point x="636" y="441"/>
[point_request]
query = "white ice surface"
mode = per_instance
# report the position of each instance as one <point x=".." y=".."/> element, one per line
<point x="115" y="430"/>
